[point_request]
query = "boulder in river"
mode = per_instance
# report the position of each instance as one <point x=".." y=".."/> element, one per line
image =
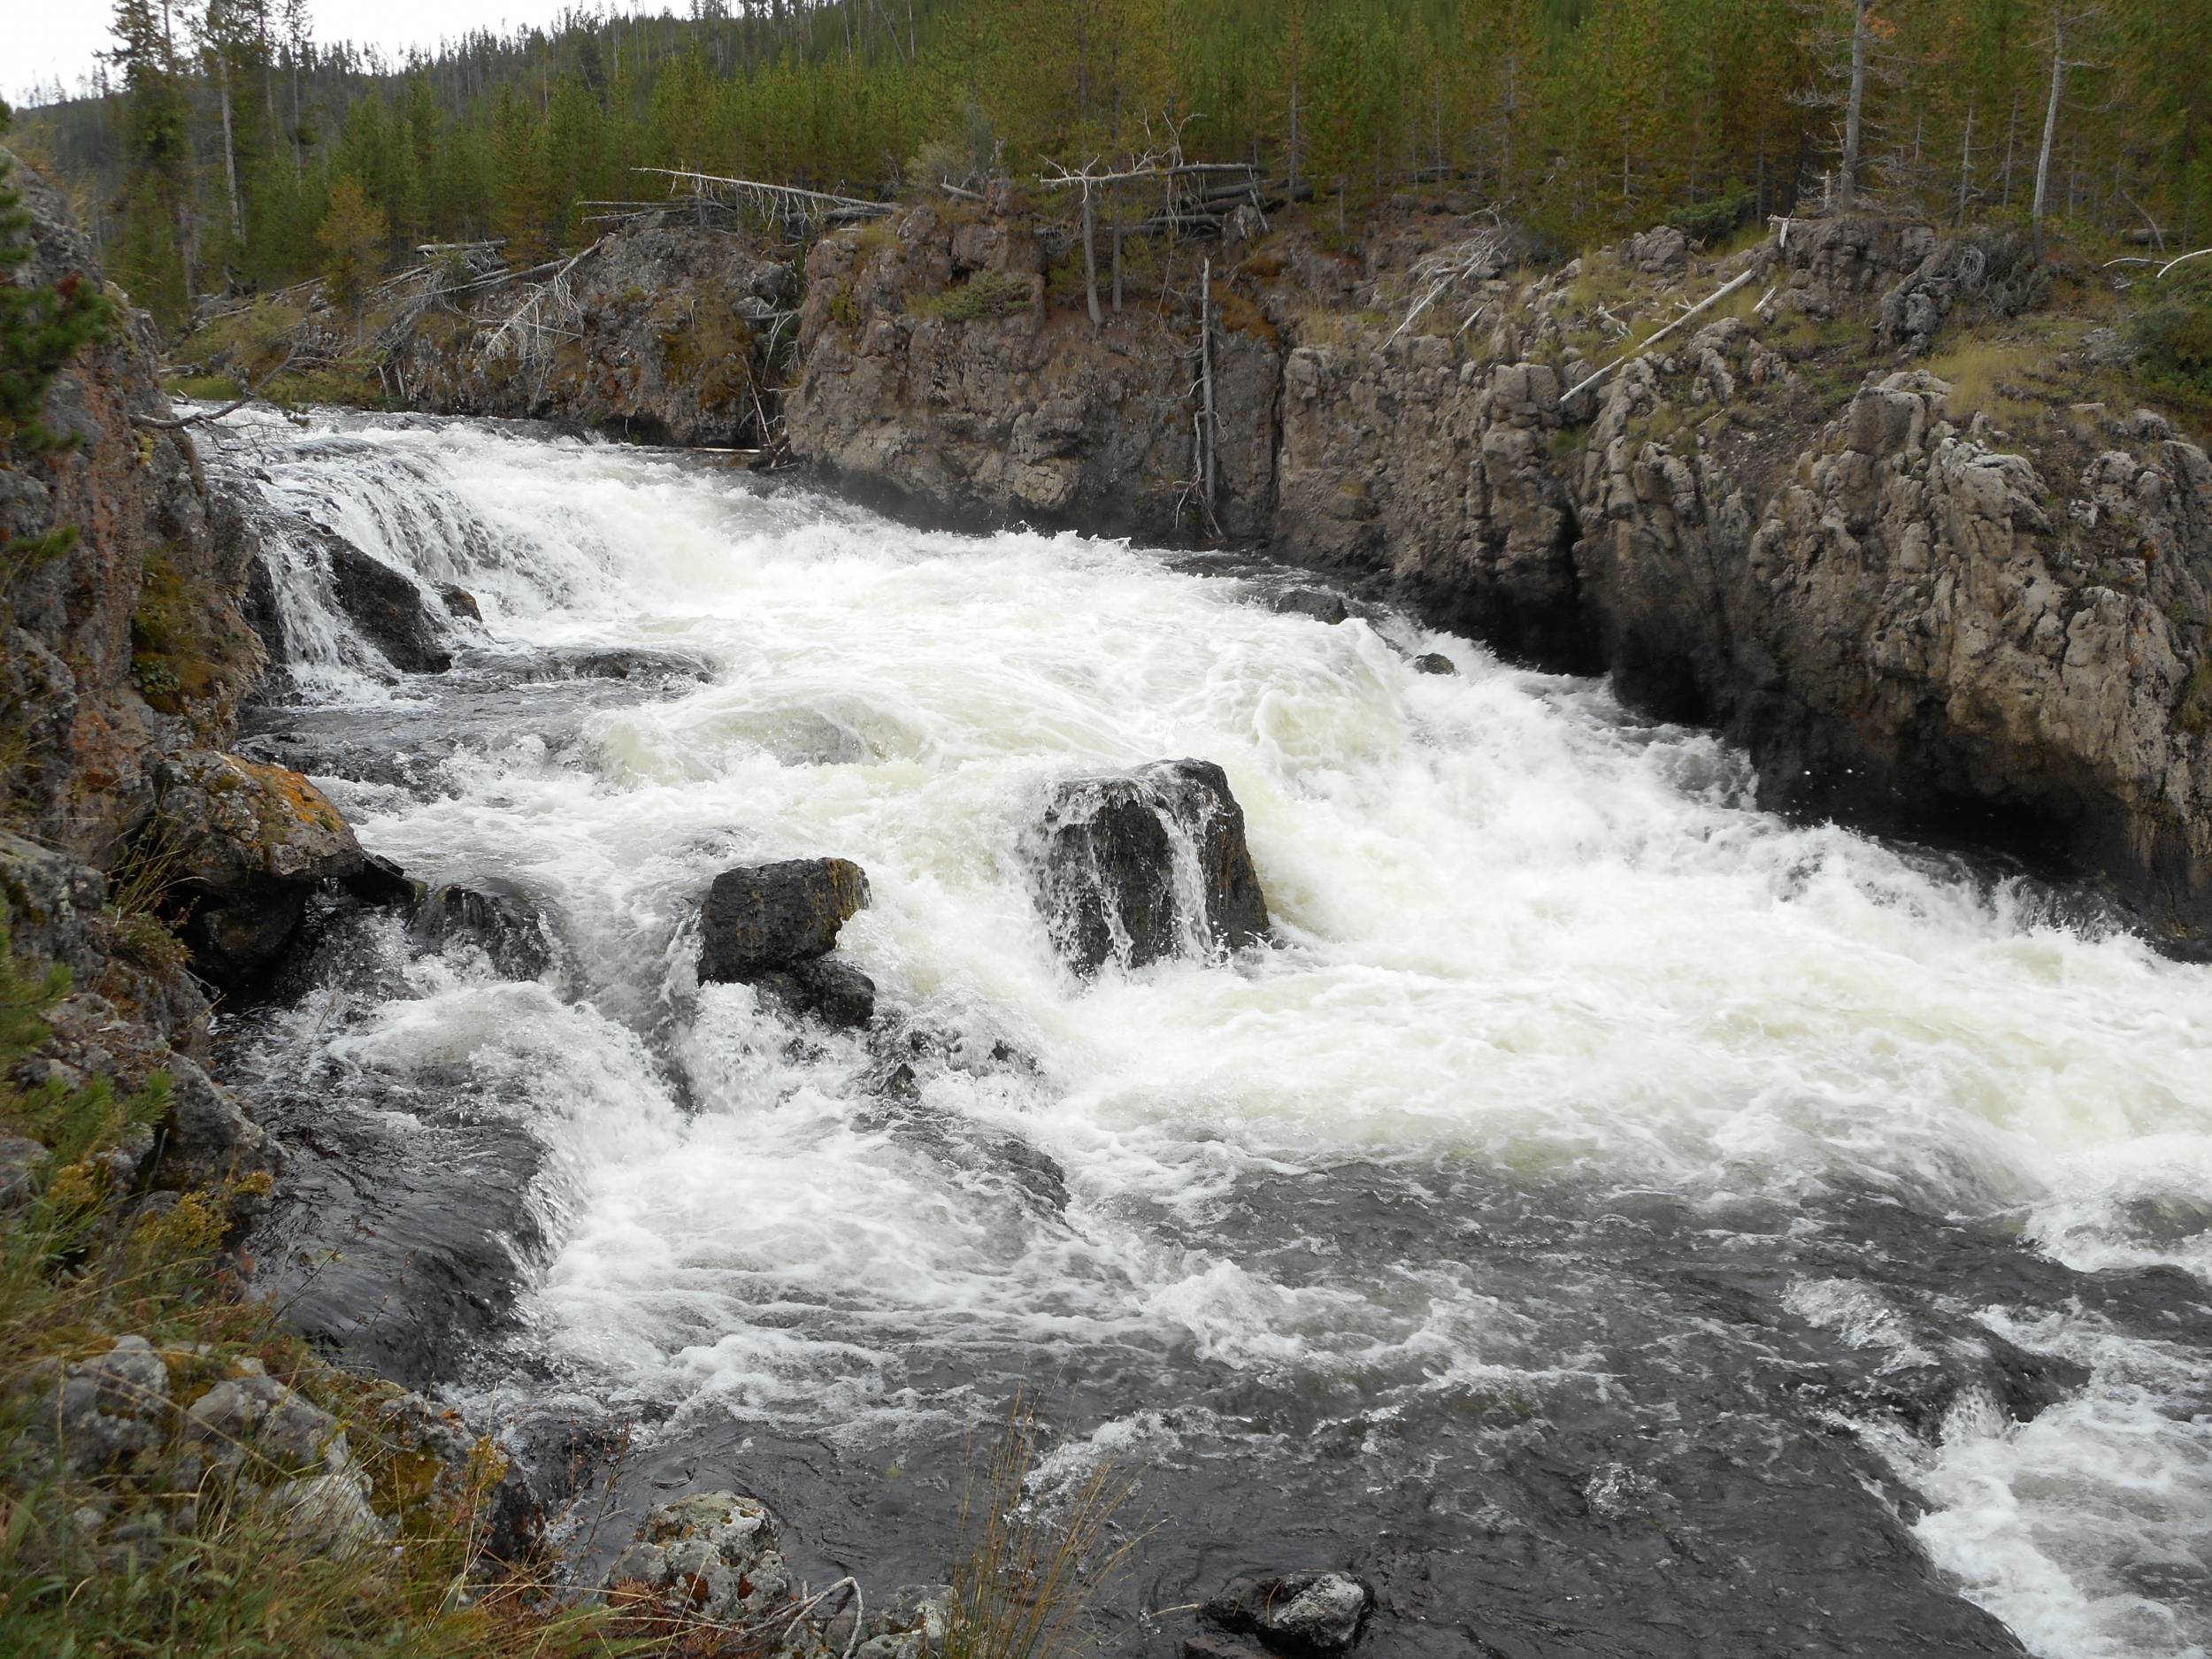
<point x="388" y="608"/>
<point x="1317" y="603"/>
<point x="1308" y="1614"/>
<point x="835" y="992"/>
<point x="764" y="919"/>
<point x="1136" y="866"/>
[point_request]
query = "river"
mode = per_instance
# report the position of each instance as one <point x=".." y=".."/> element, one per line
<point x="1610" y="1218"/>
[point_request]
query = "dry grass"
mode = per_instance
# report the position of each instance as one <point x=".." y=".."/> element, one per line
<point x="1989" y="376"/>
<point x="1028" y="1579"/>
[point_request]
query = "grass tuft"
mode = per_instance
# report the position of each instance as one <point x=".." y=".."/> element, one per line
<point x="1029" y="1576"/>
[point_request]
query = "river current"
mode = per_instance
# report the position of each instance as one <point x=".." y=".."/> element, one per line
<point x="1609" y="1219"/>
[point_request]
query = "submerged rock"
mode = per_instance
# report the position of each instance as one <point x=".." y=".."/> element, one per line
<point x="835" y="992"/>
<point x="1140" y="865"/>
<point x="494" y="914"/>
<point x="1302" y="1614"/>
<point x="761" y="918"/>
<point x="1317" y="603"/>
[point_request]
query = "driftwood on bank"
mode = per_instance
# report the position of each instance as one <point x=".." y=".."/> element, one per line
<point x="1710" y="301"/>
<point x="203" y="417"/>
<point x="785" y="203"/>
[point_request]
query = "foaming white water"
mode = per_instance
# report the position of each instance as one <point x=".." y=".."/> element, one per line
<point x="1518" y="932"/>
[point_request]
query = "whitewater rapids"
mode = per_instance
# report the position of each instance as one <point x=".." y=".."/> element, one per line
<point x="1549" y="1224"/>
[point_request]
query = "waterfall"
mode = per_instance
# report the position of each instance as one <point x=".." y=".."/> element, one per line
<point x="1592" y="1187"/>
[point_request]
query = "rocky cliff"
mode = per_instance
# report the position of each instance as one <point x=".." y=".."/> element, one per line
<point x="937" y="375"/>
<point x="125" y="660"/>
<point x="1974" y="607"/>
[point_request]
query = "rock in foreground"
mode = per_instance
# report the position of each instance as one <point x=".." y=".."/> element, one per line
<point x="244" y="844"/>
<point x="1304" y="1614"/>
<point x="712" y="1556"/>
<point x="1137" y="866"/>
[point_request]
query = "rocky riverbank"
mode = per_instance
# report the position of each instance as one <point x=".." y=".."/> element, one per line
<point x="161" y="1422"/>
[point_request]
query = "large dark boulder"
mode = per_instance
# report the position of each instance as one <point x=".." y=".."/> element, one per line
<point x="762" y="918"/>
<point x="388" y="610"/>
<point x="241" y="847"/>
<point x="1136" y="866"/>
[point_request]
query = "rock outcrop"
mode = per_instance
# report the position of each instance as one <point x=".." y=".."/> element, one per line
<point x="667" y="333"/>
<point x="131" y="641"/>
<point x="1912" y="619"/>
<point x="1136" y="867"/>
<point x="125" y="656"/>
<point x="246" y="843"/>
<point x="934" y="377"/>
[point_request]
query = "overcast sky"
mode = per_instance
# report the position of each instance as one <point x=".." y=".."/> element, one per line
<point x="42" y="38"/>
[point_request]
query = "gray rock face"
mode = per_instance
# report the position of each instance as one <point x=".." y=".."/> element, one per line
<point x="51" y="904"/>
<point x="1904" y="626"/>
<point x="1024" y="411"/>
<point x="1302" y="1613"/>
<point x="673" y="326"/>
<point x="207" y="1135"/>
<point x="136" y="630"/>
<point x="1138" y="866"/>
<point x="764" y="919"/>
<point x="712" y="1556"/>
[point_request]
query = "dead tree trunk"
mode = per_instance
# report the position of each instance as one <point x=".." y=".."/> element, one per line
<point x="1855" y="106"/>
<point x="230" y="148"/>
<point x="1090" y="257"/>
<point x="1966" y="161"/>
<point x="2050" y="121"/>
<point x="1206" y="379"/>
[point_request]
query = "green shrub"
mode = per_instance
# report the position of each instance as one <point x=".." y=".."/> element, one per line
<point x="986" y="294"/>
<point x="1709" y="220"/>
<point x="2175" y="336"/>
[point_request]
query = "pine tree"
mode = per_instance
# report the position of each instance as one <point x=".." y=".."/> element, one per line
<point x="155" y="256"/>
